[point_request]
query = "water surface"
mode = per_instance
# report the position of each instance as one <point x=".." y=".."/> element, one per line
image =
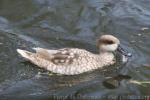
<point x="71" y="23"/>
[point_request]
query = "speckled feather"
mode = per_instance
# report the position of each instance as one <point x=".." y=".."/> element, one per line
<point x="69" y="61"/>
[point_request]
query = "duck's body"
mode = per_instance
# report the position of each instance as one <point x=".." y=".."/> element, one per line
<point x="71" y="61"/>
<point x="68" y="61"/>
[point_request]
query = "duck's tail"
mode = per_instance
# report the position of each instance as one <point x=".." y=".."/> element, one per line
<point x="26" y="54"/>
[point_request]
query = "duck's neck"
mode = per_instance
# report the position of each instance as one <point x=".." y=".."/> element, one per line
<point x="106" y="57"/>
<point x="106" y="53"/>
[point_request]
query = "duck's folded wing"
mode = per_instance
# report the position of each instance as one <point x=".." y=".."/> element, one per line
<point x="59" y="57"/>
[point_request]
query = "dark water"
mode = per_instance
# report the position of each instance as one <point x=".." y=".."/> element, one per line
<point x="72" y="23"/>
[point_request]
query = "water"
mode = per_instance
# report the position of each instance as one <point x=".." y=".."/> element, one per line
<point x="72" y="23"/>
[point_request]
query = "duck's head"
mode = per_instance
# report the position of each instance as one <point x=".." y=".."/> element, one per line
<point x="109" y="43"/>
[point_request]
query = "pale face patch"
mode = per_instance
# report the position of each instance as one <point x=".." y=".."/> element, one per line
<point x="111" y="47"/>
<point x="108" y="43"/>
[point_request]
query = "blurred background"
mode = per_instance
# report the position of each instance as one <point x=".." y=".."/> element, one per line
<point x="56" y="24"/>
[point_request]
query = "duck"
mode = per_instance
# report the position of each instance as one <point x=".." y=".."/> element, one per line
<point x="72" y="61"/>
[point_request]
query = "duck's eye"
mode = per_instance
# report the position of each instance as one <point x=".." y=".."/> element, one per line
<point x="107" y="42"/>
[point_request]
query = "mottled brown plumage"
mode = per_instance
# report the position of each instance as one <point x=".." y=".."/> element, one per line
<point x="70" y="61"/>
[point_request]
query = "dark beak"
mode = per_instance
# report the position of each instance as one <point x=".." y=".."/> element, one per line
<point x="123" y="52"/>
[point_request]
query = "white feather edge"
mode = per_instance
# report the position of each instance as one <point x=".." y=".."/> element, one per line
<point x="24" y="53"/>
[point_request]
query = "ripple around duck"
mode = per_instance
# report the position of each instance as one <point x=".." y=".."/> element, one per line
<point x="72" y="23"/>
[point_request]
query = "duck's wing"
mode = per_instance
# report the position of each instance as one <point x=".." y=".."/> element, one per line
<point x="59" y="57"/>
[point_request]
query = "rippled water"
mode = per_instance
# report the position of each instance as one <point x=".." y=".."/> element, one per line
<point x="72" y="23"/>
